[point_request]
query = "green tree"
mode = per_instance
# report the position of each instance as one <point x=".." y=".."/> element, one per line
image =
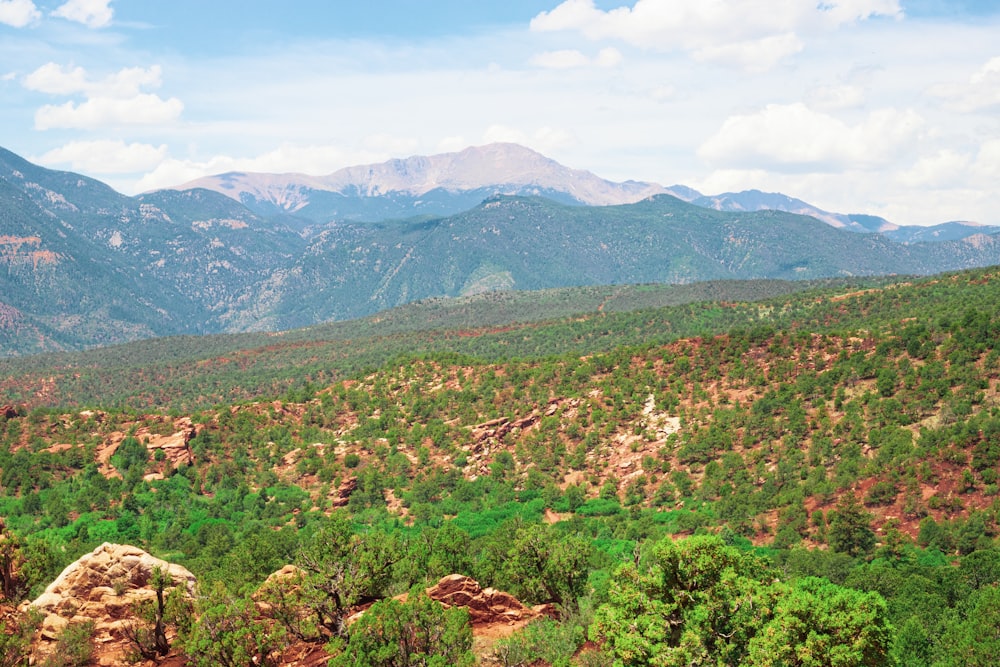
<point x="344" y="569"/>
<point x="819" y="624"/>
<point x="701" y="602"/>
<point x="974" y="641"/>
<point x="544" y="566"/>
<point x="73" y="647"/>
<point x="696" y="601"/>
<point x="148" y="631"/>
<point x="16" y="632"/>
<point x="850" y="530"/>
<point x="417" y="633"/>
<point x="228" y="633"/>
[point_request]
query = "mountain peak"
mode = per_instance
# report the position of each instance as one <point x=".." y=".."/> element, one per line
<point x="498" y="168"/>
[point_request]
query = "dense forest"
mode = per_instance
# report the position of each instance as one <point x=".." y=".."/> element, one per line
<point x="805" y="478"/>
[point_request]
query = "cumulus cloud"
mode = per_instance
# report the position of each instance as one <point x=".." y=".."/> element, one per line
<point x="18" y="13"/>
<point x="946" y="168"/>
<point x="91" y="13"/>
<point x="143" y="109"/>
<point x="981" y="91"/>
<point x="115" y="100"/>
<point x="106" y="156"/>
<point x="986" y="169"/>
<point x="752" y="34"/>
<point x="55" y="79"/>
<point x="794" y="137"/>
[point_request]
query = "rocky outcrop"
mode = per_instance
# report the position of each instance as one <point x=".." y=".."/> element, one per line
<point x="175" y="446"/>
<point x="486" y="606"/>
<point x="102" y="587"/>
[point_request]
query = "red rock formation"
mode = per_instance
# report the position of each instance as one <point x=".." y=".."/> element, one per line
<point x="486" y="606"/>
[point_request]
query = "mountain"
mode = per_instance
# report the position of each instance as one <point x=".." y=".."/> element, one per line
<point x="530" y="243"/>
<point x="755" y="200"/>
<point x="88" y="266"/>
<point x="946" y="231"/>
<point x="423" y="185"/>
<point x="446" y="184"/>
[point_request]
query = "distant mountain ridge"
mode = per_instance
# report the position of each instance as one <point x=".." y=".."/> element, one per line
<point x="82" y="265"/>
<point x="449" y="183"/>
<point x="437" y="184"/>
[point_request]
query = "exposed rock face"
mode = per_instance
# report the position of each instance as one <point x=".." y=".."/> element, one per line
<point x="486" y="606"/>
<point x="101" y="587"/>
<point x="175" y="446"/>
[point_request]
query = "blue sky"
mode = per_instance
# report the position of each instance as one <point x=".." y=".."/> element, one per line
<point x="888" y="107"/>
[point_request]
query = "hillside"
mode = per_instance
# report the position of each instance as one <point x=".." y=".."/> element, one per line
<point x="844" y="433"/>
<point x="86" y="266"/>
<point x="189" y="372"/>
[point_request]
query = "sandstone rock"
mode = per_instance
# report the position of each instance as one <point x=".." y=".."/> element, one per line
<point x="102" y="586"/>
<point x="485" y="606"/>
<point x="175" y="446"/>
<point x="343" y="493"/>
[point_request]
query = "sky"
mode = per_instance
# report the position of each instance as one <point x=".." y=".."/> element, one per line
<point x="884" y="107"/>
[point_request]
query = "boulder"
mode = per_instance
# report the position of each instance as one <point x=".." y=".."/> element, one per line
<point x="101" y="587"/>
<point x="485" y="605"/>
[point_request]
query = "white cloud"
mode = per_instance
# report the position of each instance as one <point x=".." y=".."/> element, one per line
<point x="609" y="57"/>
<point x="946" y="168"/>
<point x="982" y="90"/>
<point x="91" y="13"/>
<point x="663" y="93"/>
<point x="55" y="79"/>
<point x="143" y="109"/>
<point x="752" y="34"/>
<point x="18" y="13"/>
<point x="753" y="55"/>
<point x="114" y="100"/>
<point x="794" y="137"/>
<point x="571" y="58"/>
<point x="386" y="143"/>
<point x="106" y="156"/>
<point x="986" y="169"/>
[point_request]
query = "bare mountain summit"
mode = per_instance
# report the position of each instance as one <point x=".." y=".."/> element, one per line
<point x="436" y="184"/>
